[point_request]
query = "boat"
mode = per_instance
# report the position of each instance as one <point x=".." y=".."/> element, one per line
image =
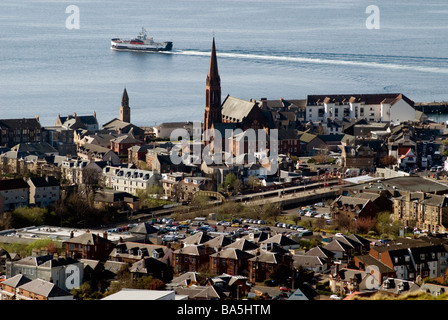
<point x="140" y="43"/>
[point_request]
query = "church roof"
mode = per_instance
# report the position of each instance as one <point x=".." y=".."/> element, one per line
<point x="236" y="110"/>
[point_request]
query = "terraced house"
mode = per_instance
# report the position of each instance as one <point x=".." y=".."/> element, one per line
<point x="425" y="211"/>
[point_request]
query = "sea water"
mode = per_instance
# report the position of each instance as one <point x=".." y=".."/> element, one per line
<point x="266" y="49"/>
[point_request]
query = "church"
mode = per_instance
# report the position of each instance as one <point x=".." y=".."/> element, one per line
<point x="232" y="114"/>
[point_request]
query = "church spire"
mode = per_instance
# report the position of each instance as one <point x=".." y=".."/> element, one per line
<point x="213" y="74"/>
<point x="212" y="112"/>
<point x="125" y="98"/>
<point x="125" y="110"/>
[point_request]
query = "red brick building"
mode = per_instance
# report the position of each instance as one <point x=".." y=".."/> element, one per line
<point x="88" y="246"/>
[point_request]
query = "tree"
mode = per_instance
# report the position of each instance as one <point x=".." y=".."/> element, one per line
<point x="252" y="181"/>
<point x="383" y="222"/>
<point x="229" y="180"/>
<point x="388" y="161"/>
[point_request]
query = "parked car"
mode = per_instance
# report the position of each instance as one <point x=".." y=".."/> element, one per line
<point x="335" y="297"/>
<point x="319" y="204"/>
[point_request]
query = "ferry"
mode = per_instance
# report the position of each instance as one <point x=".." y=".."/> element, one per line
<point x="140" y="43"/>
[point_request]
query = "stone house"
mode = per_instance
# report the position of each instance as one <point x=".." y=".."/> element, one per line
<point x="425" y="211"/>
<point x="15" y="194"/>
<point x="15" y="131"/>
<point x="121" y="145"/>
<point x="47" y="267"/>
<point x="43" y="190"/>
<point x="88" y="246"/>
<point x="231" y="261"/>
<point x="39" y="289"/>
<point x="191" y="258"/>
<point x="358" y="156"/>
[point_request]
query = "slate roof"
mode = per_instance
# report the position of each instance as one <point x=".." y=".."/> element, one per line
<point x="281" y="240"/>
<point x="320" y="252"/>
<point x="11" y="184"/>
<point x="236" y="109"/>
<point x="337" y="246"/>
<point x="243" y="244"/>
<point x="114" y="266"/>
<point x="307" y="261"/>
<point x="198" y="238"/>
<point x="147" y="265"/>
<point x="232" y="253"/>
<point x="144" y="228"/>
<point x="16" y="281"/>
<point x="111" y="196"/>
<point x="30" y="123"/>
<point x="42" y="182"/>
<point x="88" y="238"/>
<point x="44" y="288"/>
<point x="187" y="278"/>
<point x="219" y="241"/>
<point x="389" y="98"/>
<point x="194" y="250"/>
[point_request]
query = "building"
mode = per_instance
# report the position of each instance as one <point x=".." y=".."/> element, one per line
<point x="387" y="107"/>
<point x="48" y="268"/>
<point x="411" y="260"/>
<point x="191" y="258"/>
<point x="143" y="294"/>
<point x="75" y="122"/>
<point x="88" y="246"/>
<point x="43" y="191"/>
<point x="358" y="156"/>
<point x="117" y="199"/>
<point x="423" y="210"/>
<point x="15" y="194"/>
<point x="122" y="144"/>
<point x="129" y="180"/>
<point x="352" y="208"/>
<point x="244" y="114"/>
<point x="165" y="129"/>
<point x="230" y="261"/>
<point x="15" y="131"/>
<point x="9" y="287"/>
<point x="190" y="185"/>
<point x="125" y="110"/>
<point x="97" y="153"/>
<point x="39" y="289"/>
<point x="212" y="112"/>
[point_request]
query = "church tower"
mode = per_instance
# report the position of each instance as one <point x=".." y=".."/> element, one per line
<point x="212" y="112"/>
<point x="125" y="111"/>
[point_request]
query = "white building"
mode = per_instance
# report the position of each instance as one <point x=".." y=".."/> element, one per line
<point x="43" y="190"/>
<point x="388" y="107"/>
<point x="129" y="180"/>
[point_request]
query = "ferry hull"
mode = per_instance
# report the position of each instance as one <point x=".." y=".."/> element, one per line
<point x="164" y="46"/>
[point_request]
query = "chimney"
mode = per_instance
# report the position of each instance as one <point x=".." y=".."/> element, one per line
<point x="37" y="117"/>
<point x="105" y="234"/>
<point x="71" y="234"/>
<point x="408" y="196"/>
